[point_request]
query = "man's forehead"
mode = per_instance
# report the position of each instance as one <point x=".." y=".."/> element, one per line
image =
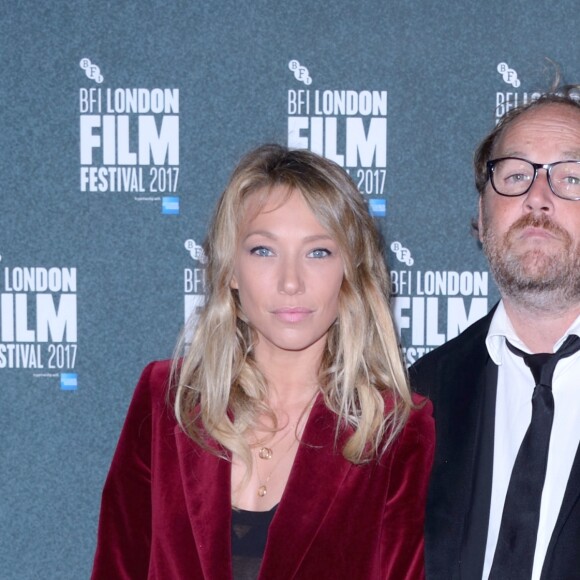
<point x="556" y="121"/>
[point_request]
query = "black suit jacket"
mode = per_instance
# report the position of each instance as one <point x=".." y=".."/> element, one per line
<point x="459" y="378"/>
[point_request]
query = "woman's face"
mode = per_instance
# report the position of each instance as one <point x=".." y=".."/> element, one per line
<point x="288" y="272"/>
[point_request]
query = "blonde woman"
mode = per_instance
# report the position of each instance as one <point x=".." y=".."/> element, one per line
<point x="291" y="446"/>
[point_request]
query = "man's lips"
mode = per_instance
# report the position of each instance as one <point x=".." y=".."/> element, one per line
<point x="536" y="232"/>
<point x="292" y="314"/>
<point x="536" y="227"/>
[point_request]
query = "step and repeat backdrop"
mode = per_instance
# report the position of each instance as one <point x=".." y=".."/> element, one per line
<point x="121" y="122"/>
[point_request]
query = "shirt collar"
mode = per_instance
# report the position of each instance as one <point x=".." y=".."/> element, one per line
<point x="501" y="329"/>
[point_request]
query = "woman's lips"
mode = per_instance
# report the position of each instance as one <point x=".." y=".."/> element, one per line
<point x="294" y="314"/>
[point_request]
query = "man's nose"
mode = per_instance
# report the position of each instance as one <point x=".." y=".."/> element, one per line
<point x="540" y="197"/>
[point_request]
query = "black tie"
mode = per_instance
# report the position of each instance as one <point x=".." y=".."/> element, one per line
<point x="516" y="544"/>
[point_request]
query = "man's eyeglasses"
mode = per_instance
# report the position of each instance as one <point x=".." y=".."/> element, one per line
<point x="512" y="176"/>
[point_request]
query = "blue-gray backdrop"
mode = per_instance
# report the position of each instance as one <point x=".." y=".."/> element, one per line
<point x="121" y="122"/>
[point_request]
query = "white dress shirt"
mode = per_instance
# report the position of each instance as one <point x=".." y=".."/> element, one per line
<point x="513" y="412"/>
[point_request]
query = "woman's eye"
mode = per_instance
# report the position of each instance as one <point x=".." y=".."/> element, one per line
<point x="319" y="253"/>
<point x="261" y="251"/>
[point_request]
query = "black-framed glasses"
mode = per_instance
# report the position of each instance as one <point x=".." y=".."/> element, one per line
<point x="512" y="176"/>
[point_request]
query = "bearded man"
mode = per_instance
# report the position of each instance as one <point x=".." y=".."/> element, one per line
<point x="504" y="498"/>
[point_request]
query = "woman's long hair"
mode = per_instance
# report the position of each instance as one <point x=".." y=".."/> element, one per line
<point x="220" y="389"/>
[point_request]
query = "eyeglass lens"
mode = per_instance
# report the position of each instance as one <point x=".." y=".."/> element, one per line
<point x="513" y="176"/>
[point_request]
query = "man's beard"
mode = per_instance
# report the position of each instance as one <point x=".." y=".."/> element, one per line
<point x="535" y="276"/>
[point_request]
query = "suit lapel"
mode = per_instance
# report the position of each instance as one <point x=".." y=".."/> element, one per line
<point x="477" y="518"/>
<point x="206" y="480"/>
<point x="460" y="375"/>
<point x="316" y="477"/>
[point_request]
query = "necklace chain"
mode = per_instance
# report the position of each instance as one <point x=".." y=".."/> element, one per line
<point x="267" y="453"/>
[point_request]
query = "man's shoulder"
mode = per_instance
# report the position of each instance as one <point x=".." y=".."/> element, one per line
<point x="460" y="350"/>
<point x="472" y="335"/>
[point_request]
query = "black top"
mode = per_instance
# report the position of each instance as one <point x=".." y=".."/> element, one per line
<point x="249" y="535"/>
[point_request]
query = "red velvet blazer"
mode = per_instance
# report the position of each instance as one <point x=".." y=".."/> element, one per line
<point x="166" y="505"/>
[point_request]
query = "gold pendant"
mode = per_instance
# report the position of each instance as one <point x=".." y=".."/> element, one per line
<point x="262" y="491"/>
<point x="265" y="453"/>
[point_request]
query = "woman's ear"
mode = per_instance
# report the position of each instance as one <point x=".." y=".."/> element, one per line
<point x="234" y="283"/>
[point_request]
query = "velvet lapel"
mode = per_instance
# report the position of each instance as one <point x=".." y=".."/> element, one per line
<point x="206" y="483"/>
<point x="317" y="475"/>
<point x="460" y="373"/>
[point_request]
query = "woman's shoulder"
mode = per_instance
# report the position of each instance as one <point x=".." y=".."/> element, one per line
<point x="420" y="422"/>
<point x="157" y="372"/>
<point x="421" y="406"/>
<point x="422" y="413"/>
<point x="153" y="387"/>
<point x="419" y="430"/>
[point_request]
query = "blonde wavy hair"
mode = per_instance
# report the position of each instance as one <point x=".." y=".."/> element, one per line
<point x="220" y="391"/>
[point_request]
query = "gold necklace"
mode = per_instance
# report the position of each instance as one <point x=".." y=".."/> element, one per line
<point x="267" y="453"/>
<point x="263" y="487"/>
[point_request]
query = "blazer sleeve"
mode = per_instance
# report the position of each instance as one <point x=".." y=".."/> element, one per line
<point x="405" y="510"/>
<point x="124" y="536"/>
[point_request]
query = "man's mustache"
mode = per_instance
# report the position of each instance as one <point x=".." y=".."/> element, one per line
<point x="538" y="221"/>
